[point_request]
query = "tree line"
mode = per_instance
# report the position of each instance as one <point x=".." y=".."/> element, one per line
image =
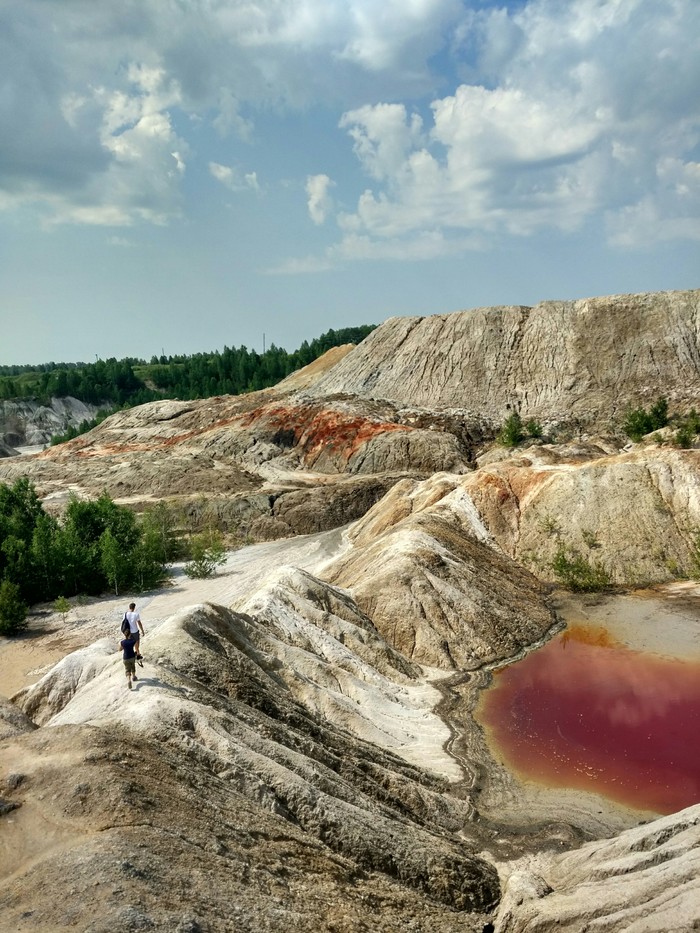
<point x="130" y="381"/>
<point x="96" y="546"/>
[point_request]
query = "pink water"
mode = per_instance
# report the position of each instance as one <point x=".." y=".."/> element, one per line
<point x="584" y="712"/>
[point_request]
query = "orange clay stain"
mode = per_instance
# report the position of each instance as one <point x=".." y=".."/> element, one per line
<point x="587" y="713"/>
<point x="318" y="430"/>
<point x="491" y="483"/>
<point x="330" y="431"/>
<point x="315" y="430"/>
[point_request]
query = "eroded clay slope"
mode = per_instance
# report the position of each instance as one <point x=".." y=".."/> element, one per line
<point x="567" y="361"/>
<point x="646" y="880"/>
<point x="237" y="716"/>
<point x="268" y="463"/>
<point x="635" y="514"/>
<point x="439" y="592"/>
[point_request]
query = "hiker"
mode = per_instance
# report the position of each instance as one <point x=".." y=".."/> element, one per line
<point x="135" y="623"/>
<point x="127" y="646"/>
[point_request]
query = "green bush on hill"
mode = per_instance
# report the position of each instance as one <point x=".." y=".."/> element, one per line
<point x="639" y="421"/>
<point x="98" y="545"/>
<point x="578" y="573"/>
<point x="513" y="431"/>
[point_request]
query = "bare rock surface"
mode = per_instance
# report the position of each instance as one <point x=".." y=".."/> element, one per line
<point x="646" y="880"/>
<point x="12" y="720"/>
<point x="580" y="360"/>
<point x="28" y="422"/>
<point x="269" y="463"/>
<point x="441" y="596"/>
<point x="216" y="710"/>
<point x="634" y="513"/>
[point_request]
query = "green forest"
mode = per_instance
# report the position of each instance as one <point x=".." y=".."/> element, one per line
<point x="95" y="547"/>
<point x="123" y="383"/>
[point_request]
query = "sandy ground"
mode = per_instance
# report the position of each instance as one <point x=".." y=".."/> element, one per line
<point x="26" y="658"/>
<point x="664" y="620"/>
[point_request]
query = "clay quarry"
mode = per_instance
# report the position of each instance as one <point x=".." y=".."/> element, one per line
<point x="305" y="748"/>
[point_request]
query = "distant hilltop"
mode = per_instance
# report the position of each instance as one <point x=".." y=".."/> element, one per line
<point x="585" y="360"/>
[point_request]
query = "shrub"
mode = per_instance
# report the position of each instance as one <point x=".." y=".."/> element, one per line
<point x="579" y="574"/>
<point x="512" y="432"/>
<point x="13" y="612"/>
<point x="549" y="526"/>
<point x="207" y="553"/>
<point x="62" y="606"/>
<point x="590" y="539"/>
<point x="688" y="429"/>
<point x="684" y="437"/>
<point x="639" y="421"/>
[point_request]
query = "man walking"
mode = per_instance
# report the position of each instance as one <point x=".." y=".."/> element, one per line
<point x="129" y="658"/>
<point x="134" y="620"/>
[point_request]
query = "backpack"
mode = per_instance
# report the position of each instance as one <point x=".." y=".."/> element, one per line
<point x="126" y="628"/>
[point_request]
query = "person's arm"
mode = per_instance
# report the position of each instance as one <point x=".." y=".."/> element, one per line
<point x="140" y="623"/>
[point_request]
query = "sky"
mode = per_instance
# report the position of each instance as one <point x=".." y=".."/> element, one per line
<point x="177" y="176"/>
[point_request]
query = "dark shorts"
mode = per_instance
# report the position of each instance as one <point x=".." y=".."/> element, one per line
<point x="130" y="666"/>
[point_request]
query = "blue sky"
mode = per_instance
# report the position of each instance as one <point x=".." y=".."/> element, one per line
<point x="180" y="176"/>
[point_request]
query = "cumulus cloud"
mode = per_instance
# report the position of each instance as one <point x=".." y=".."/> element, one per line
<point x="383" y="136"/>
<point x="561" y="112"/>
<point x="93" y="93"/>
<point x="319" y="201"/>
<point x="146" y="156"/>
<point x="594" y="112"/>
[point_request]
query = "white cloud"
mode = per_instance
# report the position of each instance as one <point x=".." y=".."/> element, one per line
<point x="591" y="114"/>
<point x="93" y="93"/>
<point x="229" y="117"/>
<point x="430" y="244"/>
<point x="382" y="32"/>
<point x="671" y="211"/>
<point x="319" y="201"/>
<point x="302" y="266"/>
<point x="564" y="112"/>
<point x="232" y="179"/>
<point x="383" y="135"/>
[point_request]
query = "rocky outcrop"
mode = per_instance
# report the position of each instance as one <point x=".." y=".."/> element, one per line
<point x="29" y="423"/>
<point x="647" y="879"/>
<point x="12" y="720"/>
<point x="635" y="514"/>
<point x="439" y="593"/>
<point x="265" y="464"/>
<point x="564" y="361"/>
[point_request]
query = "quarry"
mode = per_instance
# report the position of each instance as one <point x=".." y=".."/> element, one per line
<point x="305" y="746"/>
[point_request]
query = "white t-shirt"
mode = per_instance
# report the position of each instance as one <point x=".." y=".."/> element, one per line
<point x="133" y="619"/>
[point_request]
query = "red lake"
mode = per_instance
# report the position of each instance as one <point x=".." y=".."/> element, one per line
<point x="585" y="712"/>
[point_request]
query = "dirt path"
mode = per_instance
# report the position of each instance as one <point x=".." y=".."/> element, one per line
<point x="26" y="658"/>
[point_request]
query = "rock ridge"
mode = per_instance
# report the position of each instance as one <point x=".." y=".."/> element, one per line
<point x="583" y="360"/>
